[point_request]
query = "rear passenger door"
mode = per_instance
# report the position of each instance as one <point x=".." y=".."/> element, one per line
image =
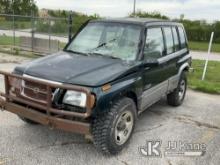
<point x="174" y="51"/>
<point x="172" y="45"/>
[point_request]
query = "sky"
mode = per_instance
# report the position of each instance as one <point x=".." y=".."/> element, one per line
<point x="192" y="9"/>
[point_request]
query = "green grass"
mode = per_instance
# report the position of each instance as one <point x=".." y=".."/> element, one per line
<point x="6" y="46"/>
<point x="5" y="40"/>
<point x="18" y="24"/>
<point x="211" y="84"/>
<point x="203" y="46"/>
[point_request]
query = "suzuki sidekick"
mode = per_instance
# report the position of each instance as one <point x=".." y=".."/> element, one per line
<point x="109" y="73"/>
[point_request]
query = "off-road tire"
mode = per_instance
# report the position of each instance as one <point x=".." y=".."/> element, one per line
<point x="173" y="98"/>
<point x="28" y="121"/>
<point x="104" y="125"/>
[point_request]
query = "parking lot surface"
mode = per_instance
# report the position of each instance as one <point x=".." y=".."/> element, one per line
<point x="196" y="121"/>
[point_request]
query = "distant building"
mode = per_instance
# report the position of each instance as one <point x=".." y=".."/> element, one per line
<point x="43" y="13"/>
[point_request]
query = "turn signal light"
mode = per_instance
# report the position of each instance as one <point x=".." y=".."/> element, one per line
<point x="106" y="87"/>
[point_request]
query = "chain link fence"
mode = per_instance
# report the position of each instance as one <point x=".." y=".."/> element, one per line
<point x="42" y="35"/>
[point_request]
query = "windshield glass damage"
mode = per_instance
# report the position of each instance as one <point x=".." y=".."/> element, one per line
<point x="108" y="39"/>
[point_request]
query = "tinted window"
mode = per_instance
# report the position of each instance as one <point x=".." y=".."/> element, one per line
<point x="176" y="39"/>
<point x="182" y="37"/>
<point x="154" y="46"/>
<point x="169" y="39"/>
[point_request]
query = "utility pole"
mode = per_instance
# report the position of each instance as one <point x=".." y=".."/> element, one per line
<point x="134" y="11"/>
<point x="70" y="24"/>
<point x="13" y="23"/>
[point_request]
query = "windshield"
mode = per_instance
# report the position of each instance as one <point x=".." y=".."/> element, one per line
<point x="108" y="39"/>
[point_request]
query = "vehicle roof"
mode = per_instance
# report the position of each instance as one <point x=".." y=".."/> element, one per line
<point x="141" y="21"/>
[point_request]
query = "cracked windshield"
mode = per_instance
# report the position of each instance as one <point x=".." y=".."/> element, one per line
<point x="108" y="39"/>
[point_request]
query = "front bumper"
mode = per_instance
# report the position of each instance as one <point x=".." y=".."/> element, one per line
<point x="52" y="122"/>
<point x="45" y="114"/>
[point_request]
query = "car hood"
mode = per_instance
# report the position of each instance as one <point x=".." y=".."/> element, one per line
<point x="76" y="69"/>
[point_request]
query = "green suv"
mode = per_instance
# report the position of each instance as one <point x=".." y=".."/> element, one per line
<point x="109" y="73"/>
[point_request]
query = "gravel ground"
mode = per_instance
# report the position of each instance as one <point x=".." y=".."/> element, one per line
<point x="196" y="121"/>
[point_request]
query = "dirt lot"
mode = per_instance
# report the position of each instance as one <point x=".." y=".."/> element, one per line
<point x="196" y="121"/>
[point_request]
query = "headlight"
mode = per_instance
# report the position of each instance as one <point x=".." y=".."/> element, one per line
<point x="75" y="98"/>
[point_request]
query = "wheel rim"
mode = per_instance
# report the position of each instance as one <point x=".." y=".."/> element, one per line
<point x="182" y="89"/>
<point x="124" y="126"/>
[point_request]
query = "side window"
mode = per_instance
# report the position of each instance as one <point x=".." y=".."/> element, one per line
<point x="182" y="37"/>
<point x="154" y="46"/>
<point x="175" y="39"/>
<point x="169" y="39"/>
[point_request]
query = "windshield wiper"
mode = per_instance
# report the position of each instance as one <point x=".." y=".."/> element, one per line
<point x="104" y="55"/>
<point x="75" y="52"/>
<point x="103" y="44"/>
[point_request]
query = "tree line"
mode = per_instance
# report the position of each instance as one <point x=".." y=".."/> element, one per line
<point x="19" y="7"/>
<point x="197" y="30"/>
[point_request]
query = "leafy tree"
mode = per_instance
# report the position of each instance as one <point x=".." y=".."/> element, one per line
<point x="198" y="30"/>
<point x="143" y="14"/>
<point x="20" y="7"/>
<point x="5" y="6"/>
<point x="61" y="26"/>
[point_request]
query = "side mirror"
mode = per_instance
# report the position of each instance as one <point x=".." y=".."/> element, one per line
<point x="151" y="62"/>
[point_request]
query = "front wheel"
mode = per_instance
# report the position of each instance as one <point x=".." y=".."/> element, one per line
<point x="176" y="98"/>
<point x="113" y="129"/>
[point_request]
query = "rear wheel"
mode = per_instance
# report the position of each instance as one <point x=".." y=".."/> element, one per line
<point x="113" y="129"/>
<point x="28" y="121"/>
<point x="176" y="98"/>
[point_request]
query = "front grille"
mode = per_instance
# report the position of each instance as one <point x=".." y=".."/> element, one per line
<point x="34" y="85"/>
<point x="38" y="92"/>
<point x="34" y="91"/>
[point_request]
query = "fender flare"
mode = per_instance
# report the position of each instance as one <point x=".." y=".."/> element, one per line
<point x="183" y="67"/>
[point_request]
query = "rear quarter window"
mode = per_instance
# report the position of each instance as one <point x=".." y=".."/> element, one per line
<point x="182" y="36"/>
<point x="175" y="39"/>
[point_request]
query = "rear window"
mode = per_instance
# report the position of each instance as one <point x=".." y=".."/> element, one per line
<point x="182" y="37"/>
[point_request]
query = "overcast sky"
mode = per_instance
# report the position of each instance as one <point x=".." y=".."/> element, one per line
<point x="192" y="9"/>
